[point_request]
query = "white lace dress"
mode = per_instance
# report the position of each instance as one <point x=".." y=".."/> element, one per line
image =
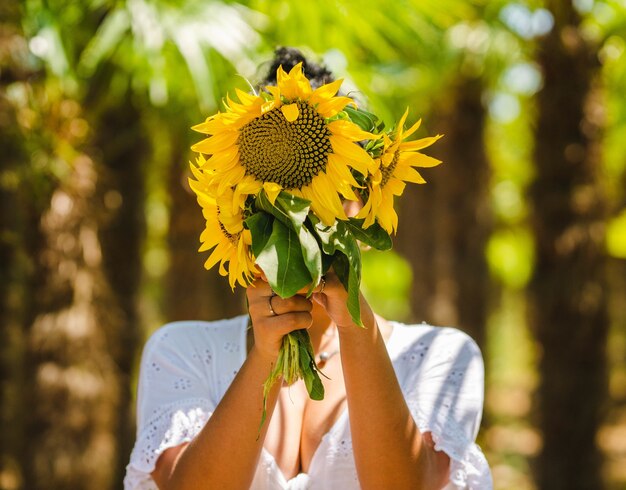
<point x="187" y="367"/>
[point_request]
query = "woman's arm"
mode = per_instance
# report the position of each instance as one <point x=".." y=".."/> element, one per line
<point x="389" y="450"/>
<point x="225" y="453"/>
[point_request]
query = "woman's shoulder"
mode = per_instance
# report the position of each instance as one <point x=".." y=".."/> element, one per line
<point x="191" y="334"/>
<point x="423" y="336"/>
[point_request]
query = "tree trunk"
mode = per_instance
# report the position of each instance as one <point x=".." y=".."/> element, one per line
<point x="445" y="224"/>
<point x="121" y="192"/>
<point x="18" y="206"/>
<point x="191" y="291"/>
<point x="568" y="309"/>
<point x="73" y="380"/>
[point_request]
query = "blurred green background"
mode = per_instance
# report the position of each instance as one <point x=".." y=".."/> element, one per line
<point x="519" y="238"/>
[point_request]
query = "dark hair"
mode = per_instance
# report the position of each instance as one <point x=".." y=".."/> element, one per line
<point x="289" y="57"/>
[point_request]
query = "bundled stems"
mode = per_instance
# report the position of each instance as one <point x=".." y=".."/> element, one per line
<point x="296" y="360"/>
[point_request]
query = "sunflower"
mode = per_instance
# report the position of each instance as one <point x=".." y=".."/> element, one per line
<point x="224" y="230"/>
<point x="394" y="169"/>
<point x="291" y="138"/>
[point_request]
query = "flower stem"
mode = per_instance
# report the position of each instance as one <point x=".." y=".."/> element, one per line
<point x="296" y="360"/>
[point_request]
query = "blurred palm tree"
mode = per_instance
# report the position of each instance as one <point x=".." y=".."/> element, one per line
<point x="108" y="67"/>
<point x="569" y="290"/>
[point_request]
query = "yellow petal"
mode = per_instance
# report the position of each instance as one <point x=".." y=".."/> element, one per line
<point x="340" y="182"/>
<point x="339" y="169"/>
<point x="418" y="160"/>
<point x="400" y="125"/>
<point x="275" y="91"/>
<point x="324" y="189"/>
<point x="293" y="85"/>
<point x="412" y="129"/>
<point x="281" y="75"/>
<point x="333" y="106"/>
<point x="371" y="207"/>
<point x="386" y="215"/>
<point x="296" y="71"/>
<point x="216" y="255"/>
<point x="230" y="178"/>
<point x="409" y="174"/>
<point x="234" y="106"/>
<point x="419" y="144"/>
<point x="212" y="125"/>
<point x="246" y="98"/>
<point x="387" y="158"/>
<point x="272" y="190"/>
<point x="322" y="212"/>
<point x="290" y="112"/>
<point x="197" y="173"/>
<point x="356" y="156"/>
<point x="248" y="185"/>
<point x="350" y="131"/>
<point x="216" y="143"/>
<point x="268" y="106"/>
<point x="223" y="160"/>
<point x="394" y="186"/>
<point x="325" y="92"/>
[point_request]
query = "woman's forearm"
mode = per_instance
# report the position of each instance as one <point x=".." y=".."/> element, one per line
<point x="388" y="448"/>
<point x="225" y="453"/>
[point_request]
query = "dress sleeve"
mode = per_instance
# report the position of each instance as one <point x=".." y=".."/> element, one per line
<point x="173" y="400"/>
<point x="445" y="396"/>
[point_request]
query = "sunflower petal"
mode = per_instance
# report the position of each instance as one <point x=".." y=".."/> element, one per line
<point x="350" y="131"/>
<point x="211" y="126"/>
<point x="409" y="174"/>
<point x="395" y="186"/>
<point x="272" y="190"/>
<point x="339" y="169"/>
<point x="418" y="160"/>
<point x="400" y="125"/>
<point x="332" y="107"/>
<point x="325" y="92"/>
<point x="216" y="142"/>
<point x="419" y="144"/>
<point x="412" y="129"/>
<point x="268" y="106"/>
<point x="245" y="98"/>
<point x="290" y="112"/>
<point x="357" y="157"/>
<point x="324" y="189"/>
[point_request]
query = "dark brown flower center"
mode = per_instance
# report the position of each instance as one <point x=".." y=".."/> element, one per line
<point x="273" y="149"/>
<point x="233" y="239"/>
<point x="388" y="171"/>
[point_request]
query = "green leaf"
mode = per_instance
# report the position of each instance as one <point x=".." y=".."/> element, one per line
<point x="365" y="120"/>
<point x="312" y="255"/>
<point x="307" y="366"/>
<point x="374" y="236"/>
<point x="260" y="226"/>
<point x="325" y="234"/>
<point x="347" y="266"/>
<point x="339" y="241"/>
<point x="282" y="262"/>
<point x="292" y="211"/>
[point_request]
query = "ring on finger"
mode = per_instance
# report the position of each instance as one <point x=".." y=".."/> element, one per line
<point x="269" y="303"/>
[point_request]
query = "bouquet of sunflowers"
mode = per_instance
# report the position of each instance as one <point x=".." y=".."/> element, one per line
<point x="271" y="178"/>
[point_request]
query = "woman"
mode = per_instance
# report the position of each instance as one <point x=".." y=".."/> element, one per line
<point x="401" y="410"/>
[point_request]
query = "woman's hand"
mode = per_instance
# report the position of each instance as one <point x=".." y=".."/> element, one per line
<point x="274" y="317"/>
<point x="334" y="299"/>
